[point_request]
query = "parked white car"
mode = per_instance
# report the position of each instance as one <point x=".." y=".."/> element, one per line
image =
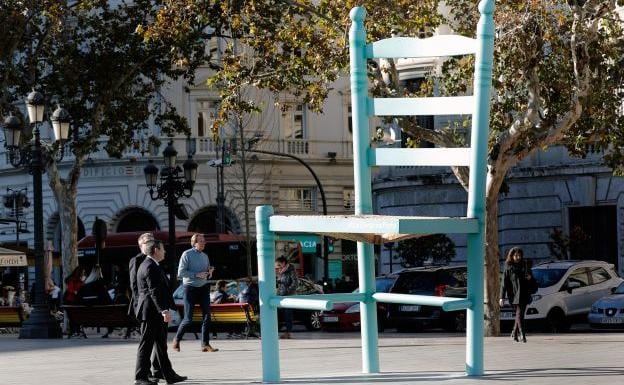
<point x="567" y="290"/>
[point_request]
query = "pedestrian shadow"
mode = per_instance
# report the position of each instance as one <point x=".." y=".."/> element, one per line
<point x="511" y="376"/>
<point x="564" y="372"/>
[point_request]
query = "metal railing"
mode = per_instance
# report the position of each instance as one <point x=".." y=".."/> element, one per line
<point x="304" y="148"/>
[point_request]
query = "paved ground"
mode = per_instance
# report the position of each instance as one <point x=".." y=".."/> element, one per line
<point x="325" y="358"/>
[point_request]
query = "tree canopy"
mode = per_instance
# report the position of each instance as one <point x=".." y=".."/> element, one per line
<point x="557" y="75"/>
<point x="87" y="56"/>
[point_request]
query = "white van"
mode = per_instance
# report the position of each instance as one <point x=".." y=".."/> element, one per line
<point x="567" y="290"/>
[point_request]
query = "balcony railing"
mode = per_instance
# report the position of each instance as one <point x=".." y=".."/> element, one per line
<point x="303" y="148"/>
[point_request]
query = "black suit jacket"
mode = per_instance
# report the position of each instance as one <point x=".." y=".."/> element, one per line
<point x="133" y="266"/>
<point x="154" y="292"/>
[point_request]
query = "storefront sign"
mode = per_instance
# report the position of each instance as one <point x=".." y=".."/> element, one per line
<point x="13" y="260"/>
<point x="308" y="242"/>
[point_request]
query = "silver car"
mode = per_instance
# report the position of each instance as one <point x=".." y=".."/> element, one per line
<point x="608" y="312"/>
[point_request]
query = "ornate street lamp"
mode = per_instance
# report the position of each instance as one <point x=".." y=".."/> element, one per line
<point x="40" y="324"/>
<point x="175" y="183"/>
<point x="16" y="201"/>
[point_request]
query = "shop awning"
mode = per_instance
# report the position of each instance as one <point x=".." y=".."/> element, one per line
<point x="10" y="257"/>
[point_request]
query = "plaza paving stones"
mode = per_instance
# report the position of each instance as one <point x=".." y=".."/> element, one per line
<point x="325" y="358"/>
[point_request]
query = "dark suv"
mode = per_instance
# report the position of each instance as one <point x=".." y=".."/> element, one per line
<point x="444" y="281"/>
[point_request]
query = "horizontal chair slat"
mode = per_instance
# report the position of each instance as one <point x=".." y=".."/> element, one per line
<point x="334" y="297"/>
<point x="418" y="156"/>
<point x="440" y="105"/>
<point x="410" y="47"/>
<point x="297" y="302"/>
<point x="372" y="224"/>
<point x="446" y="303"/>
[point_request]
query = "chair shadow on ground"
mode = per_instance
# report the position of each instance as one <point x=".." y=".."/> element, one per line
<point x="511" y="376"/>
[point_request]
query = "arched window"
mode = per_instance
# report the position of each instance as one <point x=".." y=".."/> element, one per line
<point x="206" y="221"/>
<point x="137" y="219"/>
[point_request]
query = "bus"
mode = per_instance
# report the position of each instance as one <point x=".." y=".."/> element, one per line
<point x="227" y="252"/>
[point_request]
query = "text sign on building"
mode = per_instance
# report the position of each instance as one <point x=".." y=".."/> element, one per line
<point x="13" y="260"/>
<point x="308" y="242"/>
<point x="111" y="171"/>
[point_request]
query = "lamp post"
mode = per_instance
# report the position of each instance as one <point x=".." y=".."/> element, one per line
<point x="40" y="324"/>
<point x="175" y="183"/>
<point x="16" y="200"/>
<point x="323" y="201"/>
<point x="224" y="158"/>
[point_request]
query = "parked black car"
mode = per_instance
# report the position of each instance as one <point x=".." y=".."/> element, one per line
<point x="444" y="281"/>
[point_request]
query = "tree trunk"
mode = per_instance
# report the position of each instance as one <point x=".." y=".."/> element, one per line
<point x="492" y="264"/>
<point x="65" y="192"/>
<point x="69" y="229"/>
<point x="492" y="268"/>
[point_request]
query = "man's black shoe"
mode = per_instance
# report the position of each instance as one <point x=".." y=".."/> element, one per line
<point x="144" y="382"/>
<point x="154" y="378"/>
<point x="177" y="378"/>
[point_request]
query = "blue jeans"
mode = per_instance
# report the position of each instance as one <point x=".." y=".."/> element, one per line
<point x="192" y="296"/>
<point x="288" y="318"/>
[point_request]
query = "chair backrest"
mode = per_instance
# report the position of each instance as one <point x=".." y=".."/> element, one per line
<point x="365" y="107"/>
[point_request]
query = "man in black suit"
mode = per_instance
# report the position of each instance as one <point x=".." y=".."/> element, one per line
<point x="133" y="266"/>
<point x="153" y="306"/>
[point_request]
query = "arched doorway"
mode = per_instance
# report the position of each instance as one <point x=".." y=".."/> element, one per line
<point x="206" y="221"/>
<point x="136" y="219"/>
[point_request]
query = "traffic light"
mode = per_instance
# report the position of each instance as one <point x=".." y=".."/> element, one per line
<point x="227" y="154"/>
<point x="330" y="245"/>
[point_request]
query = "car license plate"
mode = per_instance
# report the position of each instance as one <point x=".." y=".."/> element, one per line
<point x="507" y="315"/>
<point x="330" y="319"/>
<point x="410" y="308"/>
<point x="612" y="320"/>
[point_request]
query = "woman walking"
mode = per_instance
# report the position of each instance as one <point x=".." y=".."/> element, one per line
<point x="516" y="284"/>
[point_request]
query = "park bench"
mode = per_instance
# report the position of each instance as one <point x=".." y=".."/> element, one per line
<point x="113" y="316"/>
<point x="228" y="317"/>
<point x="10" y="317"/>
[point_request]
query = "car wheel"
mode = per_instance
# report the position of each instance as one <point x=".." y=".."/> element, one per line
<point x="556" y="321"/>
<point x="313" y="322"/>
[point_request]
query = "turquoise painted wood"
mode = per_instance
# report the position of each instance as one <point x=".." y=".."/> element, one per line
<point x="333" y="297"/>
<point x="265" y="244"/>
<point x="363" y="222"/>
<point x="362" y="187"/>
<point x="446" y="303"/>
<point x="444" y="105"/>
<point x="477" y="183"/>
<point x="373" y="224"/>
<point x="301" y="303"/>
<point x="411" y="47"/>
<point x="388" y="156"/>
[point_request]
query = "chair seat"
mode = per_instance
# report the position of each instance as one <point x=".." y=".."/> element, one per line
<point x="371" y="228"/>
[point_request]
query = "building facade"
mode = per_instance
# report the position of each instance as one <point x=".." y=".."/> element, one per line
<point x="114" y="190"/>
